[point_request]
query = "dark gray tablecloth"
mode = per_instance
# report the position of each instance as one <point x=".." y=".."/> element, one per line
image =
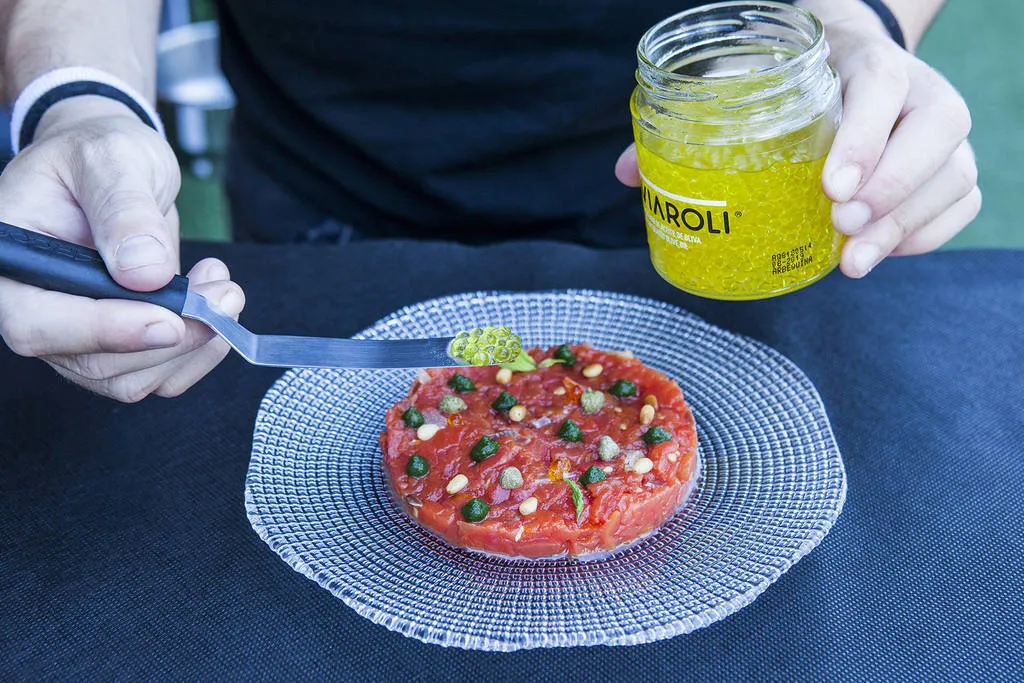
<point x="125" y="551"/>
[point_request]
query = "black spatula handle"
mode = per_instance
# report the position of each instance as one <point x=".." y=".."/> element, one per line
<point x="56" y="265"/>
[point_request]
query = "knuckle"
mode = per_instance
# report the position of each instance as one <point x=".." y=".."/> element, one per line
<point x="108" y="155"/>
<point x="967" y="176"/>
<point x="902" y="224"/>
<point x="114" y="202"/>
<point x="877" y="63"/>
<point x="172" y="180"/>
<point x="117" y="143"/>
<point x="856" y="144"/>
<point x="169" y="161"/>
<point x="98" y="147"/>
<point x="955" y="116"/>
<point x="164" y="172"/>
<point x="131" y="395"/>
<point x="188" y="375"/>
<point x="129" y="389"/>
<point x="892" y="192"/>
<point x="874" y="60"/>
<point x="974" y="202"/>
<point x="81" y="140"/>
<point x="173" y="388"/>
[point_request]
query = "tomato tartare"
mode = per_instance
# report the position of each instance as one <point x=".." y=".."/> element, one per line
<point x="583" y="455"/>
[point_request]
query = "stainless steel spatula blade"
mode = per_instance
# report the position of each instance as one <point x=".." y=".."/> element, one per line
<point x="318" y="352"/>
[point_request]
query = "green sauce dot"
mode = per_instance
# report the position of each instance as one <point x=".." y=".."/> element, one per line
<point x="656" y="435"/>
<point x="570" y="431"/>
<point x="475" y="510"/>
<point x="412" y="417"/>
<point x="417" y="466"/>
<point x="592" y="475"/>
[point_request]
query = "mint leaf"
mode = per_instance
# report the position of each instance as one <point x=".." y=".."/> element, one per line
<point x="523" y="363"/>
<point x="577" y="498"/>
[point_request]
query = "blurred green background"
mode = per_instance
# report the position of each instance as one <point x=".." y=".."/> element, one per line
<point x="972" y="43"/>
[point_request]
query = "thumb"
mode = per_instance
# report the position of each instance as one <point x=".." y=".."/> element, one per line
<point x="126" y="190"/>
<point x="626" y="168"/>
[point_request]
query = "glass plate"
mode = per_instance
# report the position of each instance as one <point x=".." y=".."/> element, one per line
<point x="772" y="484"/>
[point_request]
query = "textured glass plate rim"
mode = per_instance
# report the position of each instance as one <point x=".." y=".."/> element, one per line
<point x="391" y="327"/>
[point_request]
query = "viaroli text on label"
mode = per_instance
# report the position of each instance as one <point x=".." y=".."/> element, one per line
<point x="713" y="221"/>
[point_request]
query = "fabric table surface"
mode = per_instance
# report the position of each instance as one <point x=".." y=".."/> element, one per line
<point x="125" y="552"/>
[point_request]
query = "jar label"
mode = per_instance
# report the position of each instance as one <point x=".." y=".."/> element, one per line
<point x="767" y="231"/>
<point x="679" y="219"/>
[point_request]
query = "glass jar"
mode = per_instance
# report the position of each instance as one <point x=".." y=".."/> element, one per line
<point x="735" y="110"/>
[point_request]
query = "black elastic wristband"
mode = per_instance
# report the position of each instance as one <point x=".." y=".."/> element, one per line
<point x="75" y="89"/>
<point x="889" y="20"/>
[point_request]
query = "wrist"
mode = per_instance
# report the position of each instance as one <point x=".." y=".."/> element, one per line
<point x="74" y="112"/>
<point x="73" y="83"/>
<point x="847" y="15"/>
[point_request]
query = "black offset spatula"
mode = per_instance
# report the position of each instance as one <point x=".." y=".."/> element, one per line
<point x="43" y="261"/>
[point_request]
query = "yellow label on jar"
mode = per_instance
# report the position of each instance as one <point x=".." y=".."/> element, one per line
<point x="734" y="234"/>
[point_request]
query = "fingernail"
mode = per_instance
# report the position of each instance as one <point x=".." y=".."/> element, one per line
<point x="850" y="218"/>
<point x="218" y="271"/>
<point x="160" y="335"/>
<point x="846" y="181"/>
<point x="865" y="257"/>
<point x="231" y="303"/>
<point x="139" y="251"/>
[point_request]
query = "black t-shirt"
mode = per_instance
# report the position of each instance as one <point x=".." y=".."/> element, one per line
<point x="458" y="119"/>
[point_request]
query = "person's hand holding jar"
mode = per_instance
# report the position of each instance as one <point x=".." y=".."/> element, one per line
<point x="900" y="172"/>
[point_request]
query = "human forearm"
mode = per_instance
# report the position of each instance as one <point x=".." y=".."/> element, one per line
<point x="914" y="16"/>
<point x="118" y="36"/>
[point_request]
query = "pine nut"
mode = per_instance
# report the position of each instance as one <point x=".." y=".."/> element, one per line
<point x="427" y="432"/>
<point x="629" y="459"/>
<point x="592" y="371"/>
<point x="517" y="413"/>
<point x="457" y="483"/>
<point x="559" y="391"/>
<point x="504" y="376"/>
<point x="652" y="401"/>
<point x="647" y="415"/>
<point x="643" y="465"/>
<point x="528" y="506"/>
